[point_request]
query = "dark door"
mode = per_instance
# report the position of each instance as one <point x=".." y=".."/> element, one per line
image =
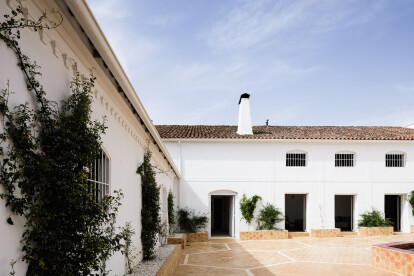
<point x="344" y="210"/>
<point x="295" y="212"/>
<point x="392" y="210"/>
<point x="220" y="215"/>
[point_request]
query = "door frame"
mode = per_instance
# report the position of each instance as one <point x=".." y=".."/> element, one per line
<point x="233" y="226"/>
<point x="305" y="208"/>
<point x="353" y="206"/>
<point x="399" y="210"/>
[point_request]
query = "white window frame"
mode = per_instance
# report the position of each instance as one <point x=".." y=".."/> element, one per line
<point x="396" y="153"/>
<point x="346" y="152"/>
<point x="105" y="180"/>
<point x="296" y="152"/>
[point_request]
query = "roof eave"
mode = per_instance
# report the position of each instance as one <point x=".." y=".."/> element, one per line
<point x="85" y="18"/>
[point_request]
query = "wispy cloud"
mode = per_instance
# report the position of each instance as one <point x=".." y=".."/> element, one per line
<point x="109" y="9"/>
<point x="166" y="20"/>
<point x="258" y="21"/>
<point x="300" y="59"/>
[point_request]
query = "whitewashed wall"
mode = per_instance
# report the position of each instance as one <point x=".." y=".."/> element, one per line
<point x="259" y="168"/>
<point x="124" y="141"/>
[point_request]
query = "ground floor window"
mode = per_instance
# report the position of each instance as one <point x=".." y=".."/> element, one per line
<point x="99" y="175"/>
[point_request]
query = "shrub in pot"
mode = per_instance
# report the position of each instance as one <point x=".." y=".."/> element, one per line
<point x="374" y="219"/>
<point x="190" y="221"/>
<point x="269" y="215"/>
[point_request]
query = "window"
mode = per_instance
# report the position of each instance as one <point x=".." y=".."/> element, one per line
<point x="295" y="159"/>
<point x="395" y="160"/>
<point x="344" y="159"/>
<point x="99" y="176"/>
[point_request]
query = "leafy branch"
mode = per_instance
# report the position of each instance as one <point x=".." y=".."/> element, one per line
<point x="45" y="170"/>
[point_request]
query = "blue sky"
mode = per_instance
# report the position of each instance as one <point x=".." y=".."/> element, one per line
<point x="309" y="62"/>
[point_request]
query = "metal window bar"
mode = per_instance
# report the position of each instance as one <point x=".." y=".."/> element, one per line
<point x="344" y="160"/>
<point x="99" y="177"/>
<point x="295" y="159"/>
<point x="394" y="160"/>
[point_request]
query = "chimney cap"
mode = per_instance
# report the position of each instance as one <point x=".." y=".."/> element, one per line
<point x="244" y="96"/>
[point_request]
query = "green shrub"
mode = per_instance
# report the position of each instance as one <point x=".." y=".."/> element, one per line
<point x="247" y="207"/>
<point x="269" y="215"/>
<point x="410" y="199"/>
<point x="150" y="211"/>
<point x="171" y="216"/>
<point x="190" y="222"/>
<point x="374" y="219"/>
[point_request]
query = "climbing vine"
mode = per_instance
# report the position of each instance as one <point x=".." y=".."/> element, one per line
<point x="150" y="211"/>
<point x="410" y="199"/>
<point x="45" y="168"/>
<point x="171" y="216"/>
<point x="247" y="207"/>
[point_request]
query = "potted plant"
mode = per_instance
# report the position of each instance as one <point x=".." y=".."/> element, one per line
<point x="269" y="216"/>
<point x="374" y="223"/>
<point x="191" y="223"/>
<point x="410" y="199"/>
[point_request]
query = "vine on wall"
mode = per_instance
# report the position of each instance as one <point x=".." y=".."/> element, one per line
<point x="171" y="215"/>
<point x="410" y="199"/>
<point x="247" y="207"/>
<point x="150" y="212"/>
<point x="44" y="170"/>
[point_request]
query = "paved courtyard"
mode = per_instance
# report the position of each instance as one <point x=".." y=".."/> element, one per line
<point x="348" y="255"/>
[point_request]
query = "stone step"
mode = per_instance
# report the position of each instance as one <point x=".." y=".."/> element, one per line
<point x="293" y="235"/>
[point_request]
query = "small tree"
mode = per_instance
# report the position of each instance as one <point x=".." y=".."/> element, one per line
<point x="410" y="199"/>
<point x="374" y="219"/>
<point x="247" y="207"/>
<point x="171" y="216"/>
<point x="269" y="215"/>
<point x="150" y="212"/>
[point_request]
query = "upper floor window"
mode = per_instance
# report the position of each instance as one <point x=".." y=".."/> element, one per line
<point x="395" y="159"/>
<point x="296" y="159"/>
<point x="344" y="159"/>
<point x="99" y="176"/>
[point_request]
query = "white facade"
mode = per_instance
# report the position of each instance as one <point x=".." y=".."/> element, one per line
<point x="126" y="136"/>
<point x="258" y="167"/>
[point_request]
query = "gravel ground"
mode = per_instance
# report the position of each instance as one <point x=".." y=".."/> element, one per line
<point x="148" y="268"/>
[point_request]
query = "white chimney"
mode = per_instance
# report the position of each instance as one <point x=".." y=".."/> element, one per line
<point x="245" y="121"/>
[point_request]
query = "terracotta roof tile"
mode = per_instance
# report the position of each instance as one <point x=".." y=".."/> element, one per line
<point x="287" y="132"/>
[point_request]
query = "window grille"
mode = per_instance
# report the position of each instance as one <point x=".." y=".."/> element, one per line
<point x="99" y="176"/>
<point x="344" y="160"/>
<point x="295" y="159"/>
<point x="394" y="160"/>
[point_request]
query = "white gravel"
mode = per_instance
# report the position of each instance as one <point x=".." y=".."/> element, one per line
<point x="148" y="268"/>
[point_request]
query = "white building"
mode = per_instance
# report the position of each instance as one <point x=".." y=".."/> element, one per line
<point x="321" y="177"/>
<point x="79" y="39"/>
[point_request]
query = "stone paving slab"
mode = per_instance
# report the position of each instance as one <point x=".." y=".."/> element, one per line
<point x="348" y="255"/>
<point x="315" y="269"/>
